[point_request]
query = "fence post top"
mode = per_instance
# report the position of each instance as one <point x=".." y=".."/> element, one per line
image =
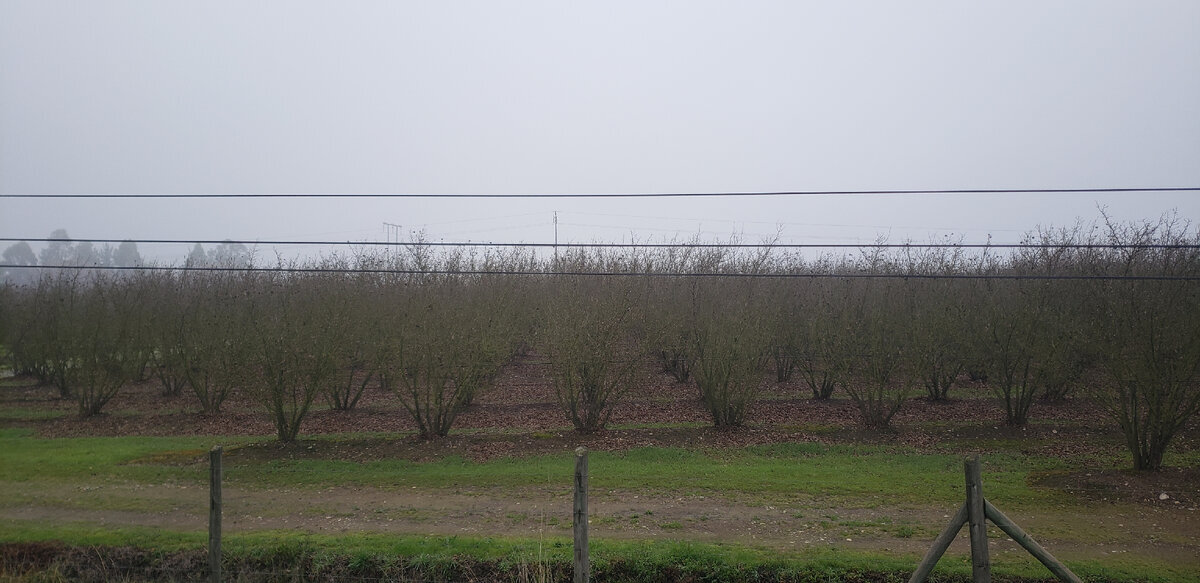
<point x="580" y="451"/>
<point x="215" y="448"/>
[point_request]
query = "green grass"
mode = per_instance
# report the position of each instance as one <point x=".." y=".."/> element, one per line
<point x="774" y="470"/>
<point x="611" y="560"/>
<point x="23" y="414"/>
<point x="94" y="459"/>
<point x="783" y="469"/>
<point x="854" y="476"/>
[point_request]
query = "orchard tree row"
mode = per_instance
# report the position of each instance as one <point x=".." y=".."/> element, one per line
<point x="1106" y="313"/>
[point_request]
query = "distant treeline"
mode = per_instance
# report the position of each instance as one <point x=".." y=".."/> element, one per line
<point x="67" y="253"/>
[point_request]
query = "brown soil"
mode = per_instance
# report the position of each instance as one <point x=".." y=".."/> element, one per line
<point x="523" y="400"/>
<point x="519" y="417"/>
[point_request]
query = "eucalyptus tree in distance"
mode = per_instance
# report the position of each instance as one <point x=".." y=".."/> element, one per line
<point x="56" y="252"/>
<point x="19" y="254"/>
<point x="126" y="255"/>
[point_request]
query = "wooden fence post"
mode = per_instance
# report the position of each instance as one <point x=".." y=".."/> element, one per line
<point x="582" y="566"/>
<point x="940" y="545"/>
<point x="981" y="569"/>
<point x="975" y="513"/>
<point x="214" y="514"/>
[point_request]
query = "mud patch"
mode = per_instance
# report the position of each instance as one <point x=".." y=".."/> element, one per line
<point x="1170" y="487"/>
<point x="489" y="446"/>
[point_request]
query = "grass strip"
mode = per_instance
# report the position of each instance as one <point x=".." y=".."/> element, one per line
<point x="86" y="553"/>
<point x="871" y="474"/>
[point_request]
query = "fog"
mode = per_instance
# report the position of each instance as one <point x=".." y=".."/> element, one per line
<point x="614" y="97"/>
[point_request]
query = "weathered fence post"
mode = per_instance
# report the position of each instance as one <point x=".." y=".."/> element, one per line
<point x="975" y="512"/>
<point x="214" y="514"/>
<point x="981" y="568"/>
<point x="582" y="567"/>
<point x="940" y="544"/>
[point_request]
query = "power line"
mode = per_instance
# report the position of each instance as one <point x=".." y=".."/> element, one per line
<point x="616" y="245"/>
<point x="781" y="223"/>
<point x="478" y="219"/>
<point x="612" y="194"/>
<point x="814" y="275"/>
<point x="733" y="231"/>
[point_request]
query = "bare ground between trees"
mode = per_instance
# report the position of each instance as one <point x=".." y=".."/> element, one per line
<point x="519" y="418"/>
<point x="796" y="524"/>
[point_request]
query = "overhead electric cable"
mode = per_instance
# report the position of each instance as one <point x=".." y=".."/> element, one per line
<point x="609" y="194"/>
<point x="612" y="245"/>
<point x="712" y="220"/>
<point x="814" y="275"/>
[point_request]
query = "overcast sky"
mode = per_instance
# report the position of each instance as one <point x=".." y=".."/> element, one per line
<point x="594" y="97"/>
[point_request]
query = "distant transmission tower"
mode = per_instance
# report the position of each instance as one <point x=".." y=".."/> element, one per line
<point x="392" y="232"/>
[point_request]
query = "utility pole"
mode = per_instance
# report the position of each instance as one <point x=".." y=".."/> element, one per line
<point x="389" y="228"/>
<point x="392" y="228"/>
<point x="555" y="237"/>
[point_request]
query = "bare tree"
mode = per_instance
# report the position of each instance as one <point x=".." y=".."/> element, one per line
<point x="671" y="326"/>
<point x="786" y="325"/>
<point x="208" y="341"/>
<point x="289" y="358"/>
<point x="88" y="344"/>
<point x="43" y="345"/>
<point x="444" y="343"/>
<point x="821" y="327"/>
<point x="877" y="347"/>
<point x="1013" y="322"/>
<point x="1149" y="336"/>
<point x="1033" y="325"/>
<point x="590" y="336"/>
<point x="8" y="320"/>
<point x="939" y="340"/>
<point x="731" y="345"/>
<point x="352" y="306"/>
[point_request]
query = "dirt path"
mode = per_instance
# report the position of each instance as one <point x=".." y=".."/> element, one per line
<point x="796" y="524"/>
<point x="521" y="420"/>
